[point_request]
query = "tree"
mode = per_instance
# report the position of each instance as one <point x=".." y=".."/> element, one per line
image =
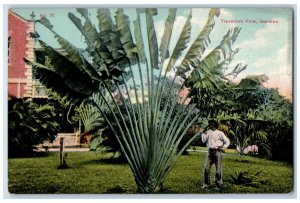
<point x="29" y="124"/>
<point x="207" y="82"/>
<point x="259" y="116"/>
<point x="278" y="112"/>
<point x="148" y="135"/>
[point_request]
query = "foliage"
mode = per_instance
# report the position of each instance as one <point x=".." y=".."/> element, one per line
<point x="102" y="137"/>
<point x="208" y="77"/>
<point x="279" y="115"/>
<point x="246" y="131"/>
<point x="29" y="124"/>
<point x="261" y="117"/>
<point x="246" y="178"/>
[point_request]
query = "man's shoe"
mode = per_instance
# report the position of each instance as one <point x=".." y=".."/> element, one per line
<point x="204" y="186"/>
<point x="218" y="187"/>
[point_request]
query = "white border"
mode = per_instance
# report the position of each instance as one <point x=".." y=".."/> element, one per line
<point x="137" y="3"/>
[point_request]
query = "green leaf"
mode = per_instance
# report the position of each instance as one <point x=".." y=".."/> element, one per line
<point x="165" y="41"/>
<point x="91" y="36"/>
<point x="123" y="28"/>
<point x="152" y="39"/>
<point x="105" y="20"/>
<point x="91" y="117"/>
<point x="192" y="57"/>
<point x="46" y="75"/>
<point x="74" y="78"/>
<point x="211" y="67"/>
<point x="75" y="56"/>
<point x="139" y="40"/>
<point x="44" y="21"/>
<point x="181" y="43"/>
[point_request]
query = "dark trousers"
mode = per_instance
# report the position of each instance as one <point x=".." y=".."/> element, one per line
<point x="214" y="157"/>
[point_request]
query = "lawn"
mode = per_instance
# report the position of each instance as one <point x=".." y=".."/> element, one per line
<point x="95" y="174"/>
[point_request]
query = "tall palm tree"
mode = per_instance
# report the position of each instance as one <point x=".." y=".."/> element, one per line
<point x="148" y="132"/>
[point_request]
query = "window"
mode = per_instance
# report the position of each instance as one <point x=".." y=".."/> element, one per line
<point x="9" y="40"/>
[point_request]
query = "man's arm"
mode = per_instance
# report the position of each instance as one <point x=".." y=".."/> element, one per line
<point x="204" y="137"/>
<point x="226" y="141"/>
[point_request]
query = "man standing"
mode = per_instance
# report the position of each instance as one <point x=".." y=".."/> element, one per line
<point x="216" y="142"/>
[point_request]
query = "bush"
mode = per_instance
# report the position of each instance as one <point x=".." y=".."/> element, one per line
<point x="245" y="178"/>
<point x="29" y="124"/>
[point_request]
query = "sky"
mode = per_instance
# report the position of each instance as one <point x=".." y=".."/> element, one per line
<point x="266" y="48"/>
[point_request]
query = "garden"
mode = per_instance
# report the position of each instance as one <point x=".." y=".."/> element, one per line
<point x="145" y="106"/>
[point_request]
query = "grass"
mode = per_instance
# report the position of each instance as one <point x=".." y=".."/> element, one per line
<point x="91" y="174"/>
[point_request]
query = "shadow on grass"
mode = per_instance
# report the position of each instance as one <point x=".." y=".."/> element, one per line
<point x="116" y="190"/>
<point x="29" y="155"/>
<point x="242" y="160"/>
<point x="116" y="161"/>
<point x="119" y="190"/>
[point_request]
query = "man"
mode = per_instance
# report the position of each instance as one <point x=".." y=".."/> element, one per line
<point x="216" y="142"/>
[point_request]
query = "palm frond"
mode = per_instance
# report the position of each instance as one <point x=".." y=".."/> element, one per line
<point x="123" y="28"/>
<point x="90" y="116"/>
<point x="210" y="68"/>
<point x="194" y="54"/>
<point x="46" y="75"/>
<point x="152" y="39"/>
<point x="139" y="40"/>
<point x="181" y="43"/>
<point x="165" y="41"/>
<point x="73" y="77"/>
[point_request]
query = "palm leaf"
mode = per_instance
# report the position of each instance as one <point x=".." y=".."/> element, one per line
<point x="152" y="39"/>
<point x="92" y="40"/>
<point x="88" y="30"/>
<point x="105" y="20"/>
<point x="44" y="21"/>
<point x="181" y="43"/>
<point x="125" y="35"/>
<point x="139" y="40"/>
<point x="192" y="57"/>
<point x="73" y="54"/>
<point x="51" y="79"/>
<point x="111" y="38"/>
<point x="76" y="79"/>
<point x="165" y="41"/>
<point x="90" y="116"/>
<point x="210" y="68"/>
<point x="102" y="47"/>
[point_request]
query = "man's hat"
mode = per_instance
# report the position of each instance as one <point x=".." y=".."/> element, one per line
<point x="214" y="122"/>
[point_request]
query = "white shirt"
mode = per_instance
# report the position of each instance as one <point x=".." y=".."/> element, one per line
<point x="215" y="139"/>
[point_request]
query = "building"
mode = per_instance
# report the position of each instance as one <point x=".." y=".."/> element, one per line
<point x="21" y="84"/>
<point x="21" y="44"/>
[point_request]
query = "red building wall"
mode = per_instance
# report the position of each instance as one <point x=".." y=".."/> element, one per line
<point x="17" y="32"/>
<point x="20" y="46"/>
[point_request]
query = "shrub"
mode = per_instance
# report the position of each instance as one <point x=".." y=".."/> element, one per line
<point x="245" y="178"/>
<point x="29" y="124"/>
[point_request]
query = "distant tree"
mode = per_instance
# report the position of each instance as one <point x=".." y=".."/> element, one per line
<point x="278" y="112"/>
<point x="262" y="117"/>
